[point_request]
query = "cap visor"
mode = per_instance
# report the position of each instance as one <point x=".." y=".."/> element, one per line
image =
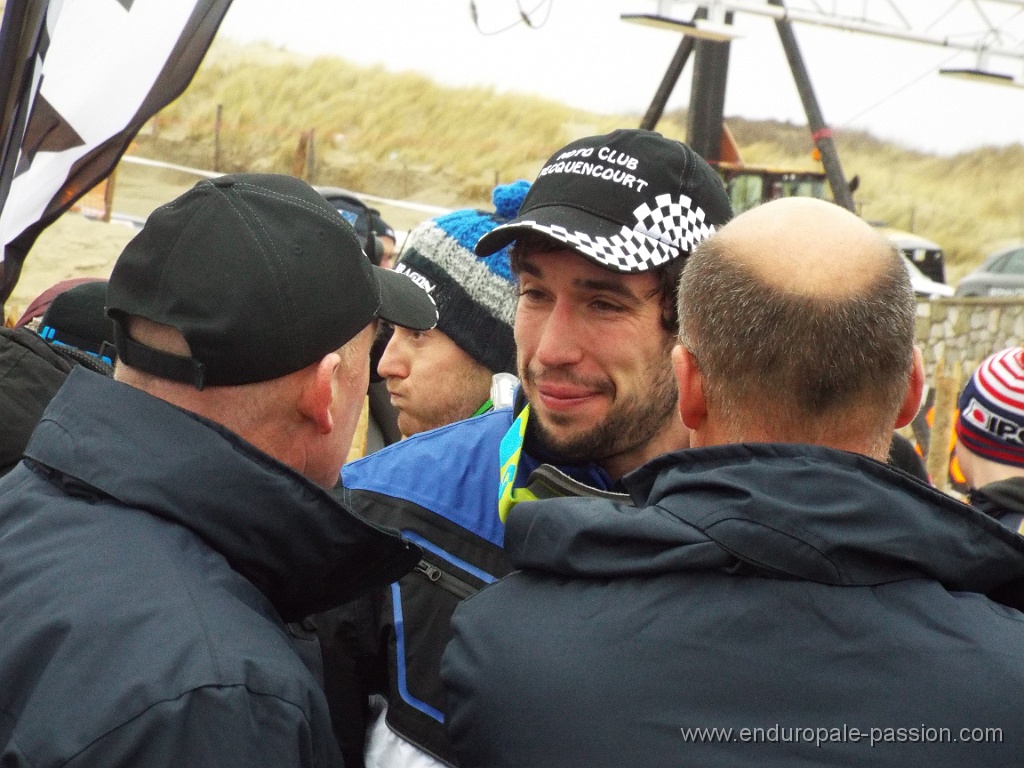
<point x="606" y="243"/>
<point x="404" y="303"/>
<point x="498" y="238"/>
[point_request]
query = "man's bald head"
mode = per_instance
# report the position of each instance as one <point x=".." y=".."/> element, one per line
<point x="808" y="247"/>
<point x="801" y="319"/>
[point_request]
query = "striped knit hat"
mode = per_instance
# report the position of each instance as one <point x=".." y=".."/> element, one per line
<point x="476" y="298"/>
<point x="991" y="419"/>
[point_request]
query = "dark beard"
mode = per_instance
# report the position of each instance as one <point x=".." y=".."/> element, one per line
<point x="629" y="425"/>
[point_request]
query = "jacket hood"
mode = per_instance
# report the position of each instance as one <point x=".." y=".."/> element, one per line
<point x="784" y="511"/>
<point x="1001" y="496"/>
<point x="295" y="541"/>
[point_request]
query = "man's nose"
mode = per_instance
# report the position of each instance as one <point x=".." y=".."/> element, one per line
<point x="394" y="362"/>
<point x="560" y="340"/>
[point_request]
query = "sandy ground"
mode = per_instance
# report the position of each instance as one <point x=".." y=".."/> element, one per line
<point x="78" y="246"/>
<point x="73" y="246"/>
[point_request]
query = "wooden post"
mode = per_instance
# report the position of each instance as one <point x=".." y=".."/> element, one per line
<point x="299" y="158"/>
<point x="216" y="138"/>
<point x="311" y="157"/>
<point x="108" y="195"/>
<point x="947" y="388"/>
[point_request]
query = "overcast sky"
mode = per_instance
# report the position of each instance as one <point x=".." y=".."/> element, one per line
<point x="580" y="53"/>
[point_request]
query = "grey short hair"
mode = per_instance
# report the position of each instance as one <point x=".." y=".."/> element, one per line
<point x="800" y="361"/>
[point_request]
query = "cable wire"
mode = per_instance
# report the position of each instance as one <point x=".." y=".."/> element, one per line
<point x="901" y="89"/>
<point x="524" y="17"/>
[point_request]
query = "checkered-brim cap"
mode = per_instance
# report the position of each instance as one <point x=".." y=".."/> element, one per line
<point x="630" y="201"/>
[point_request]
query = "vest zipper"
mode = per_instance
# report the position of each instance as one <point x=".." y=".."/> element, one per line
<point x="445" y="580"/>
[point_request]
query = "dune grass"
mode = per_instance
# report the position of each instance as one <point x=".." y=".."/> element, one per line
<point x="401" y="135"/>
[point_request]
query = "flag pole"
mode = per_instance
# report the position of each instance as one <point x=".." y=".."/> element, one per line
<point x="23" y="23"/>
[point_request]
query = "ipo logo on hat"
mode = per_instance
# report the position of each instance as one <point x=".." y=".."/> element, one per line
<point x="630" y="201"/>
<point x="985" y="420"/>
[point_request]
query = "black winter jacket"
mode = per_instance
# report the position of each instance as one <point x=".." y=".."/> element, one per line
<point x="149" y="560"/>
<point x="764" y="605"/>
<point x="31" y="372"/>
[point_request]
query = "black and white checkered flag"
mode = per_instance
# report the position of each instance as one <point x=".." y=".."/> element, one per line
<point x="82" y="77"/>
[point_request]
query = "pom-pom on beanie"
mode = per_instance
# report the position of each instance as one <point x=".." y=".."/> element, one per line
<point x="475" y="297"/>
<point x="991" y="419"/>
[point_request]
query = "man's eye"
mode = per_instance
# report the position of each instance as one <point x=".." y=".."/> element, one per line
<point x="605" y="306"/>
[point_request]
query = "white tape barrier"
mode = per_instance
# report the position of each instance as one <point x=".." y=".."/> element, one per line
<point x="408" y="205"/>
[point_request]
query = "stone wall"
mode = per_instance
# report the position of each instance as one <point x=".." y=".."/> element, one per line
<point x="966" y="331"/>
<point x="955" y="335"/>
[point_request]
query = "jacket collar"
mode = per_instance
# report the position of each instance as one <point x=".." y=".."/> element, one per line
<point x="785" y="511"/>
<point x="295" y="541"/>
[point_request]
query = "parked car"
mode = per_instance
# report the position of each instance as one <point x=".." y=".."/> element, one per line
<point x="926" y="255"/>
<point x="1001" y="274"/>
<point x="923" y="285"/>
<point x="924" y="260"/>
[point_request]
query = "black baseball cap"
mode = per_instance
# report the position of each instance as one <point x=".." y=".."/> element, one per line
<point x="379" y="227"/>
<point x="76" y="318"/>
<point x="630" y="201"/>
<point x="353" y="210"/>
<point x="260" y="274"/>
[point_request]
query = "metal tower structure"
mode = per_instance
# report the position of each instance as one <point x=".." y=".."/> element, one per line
<point x="986" y="31"/>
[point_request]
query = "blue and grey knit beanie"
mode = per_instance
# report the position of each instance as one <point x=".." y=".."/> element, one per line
<point x="475" y="297"/>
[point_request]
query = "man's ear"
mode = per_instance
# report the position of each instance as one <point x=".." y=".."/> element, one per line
<point x="912" y="402"/>
<point x="692" y="406"/>
<point x="319" y="392"/>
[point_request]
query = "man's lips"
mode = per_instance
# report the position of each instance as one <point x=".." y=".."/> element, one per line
<point x="565" y="396"/>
